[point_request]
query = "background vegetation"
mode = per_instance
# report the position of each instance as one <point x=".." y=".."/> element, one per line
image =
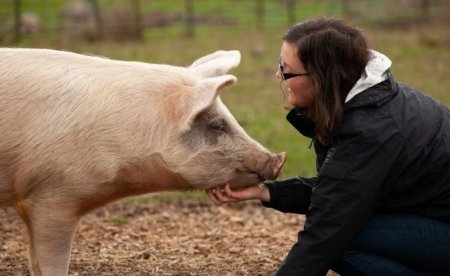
<point x="416" y="39"/>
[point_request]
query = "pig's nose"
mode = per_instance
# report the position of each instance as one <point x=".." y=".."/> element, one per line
<point x="266" y="166"/>
<point x="281" y="159"/>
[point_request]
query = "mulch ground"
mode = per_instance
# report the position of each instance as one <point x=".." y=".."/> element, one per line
<point x="163" y="236"/>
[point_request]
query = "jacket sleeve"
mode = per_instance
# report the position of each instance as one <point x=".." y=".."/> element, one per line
<point x="347" y="192"/>
<point x="292" y="195"/>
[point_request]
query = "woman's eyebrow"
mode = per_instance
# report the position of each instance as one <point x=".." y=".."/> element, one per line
<point x="285" y="64"/>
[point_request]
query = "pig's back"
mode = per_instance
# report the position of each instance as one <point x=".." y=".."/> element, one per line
<point x="45" y="89"/>
<point x="39" y="68"/>
<point x="38" y="84"/>
<point x="71" y="110"/>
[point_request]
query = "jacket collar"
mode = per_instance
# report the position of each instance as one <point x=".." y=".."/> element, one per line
<point x="376" y="71"/>
<point x="301" y="122"/>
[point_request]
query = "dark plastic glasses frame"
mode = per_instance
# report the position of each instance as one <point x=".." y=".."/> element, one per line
<point x="286" y="76"/>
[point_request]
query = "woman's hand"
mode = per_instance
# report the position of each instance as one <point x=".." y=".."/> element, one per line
<point x="219" y="196"/>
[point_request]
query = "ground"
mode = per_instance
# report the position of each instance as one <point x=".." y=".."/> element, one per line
<point x="188" y="236"/>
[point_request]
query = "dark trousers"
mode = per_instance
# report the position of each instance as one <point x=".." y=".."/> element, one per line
<point x="398" y="244"/>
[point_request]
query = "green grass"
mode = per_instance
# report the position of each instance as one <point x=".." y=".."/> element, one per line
<point x="238" y="11"/>
<point x="119" y="219"/>
<point x="420" y="58"/>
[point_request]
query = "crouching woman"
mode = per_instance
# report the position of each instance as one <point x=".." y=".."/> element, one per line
<point x="380" y="204"/>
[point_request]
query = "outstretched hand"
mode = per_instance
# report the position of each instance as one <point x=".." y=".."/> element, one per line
<point x="226" y="195"/>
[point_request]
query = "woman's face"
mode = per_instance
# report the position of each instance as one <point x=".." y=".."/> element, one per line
<point x="299" y="88"/>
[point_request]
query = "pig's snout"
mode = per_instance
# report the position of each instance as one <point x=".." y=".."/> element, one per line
<point x="265" y="166"/>
<point x="279" y="163"/>
<point x="268" y="166"/>
<point x="273" y="166"/>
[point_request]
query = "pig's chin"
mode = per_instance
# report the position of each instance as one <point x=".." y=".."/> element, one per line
<point x="245" y="180"/>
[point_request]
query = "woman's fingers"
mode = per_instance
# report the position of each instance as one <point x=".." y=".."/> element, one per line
<point x="212" y="196"/>
<point x="220" y="195"/>
<point x="217" y="197"/>
<point x="231" y="193"/>
<point x="252" y="192"/>
<point x="223" y="197"/>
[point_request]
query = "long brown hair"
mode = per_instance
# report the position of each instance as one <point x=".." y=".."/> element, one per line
<point x="335" y="54"/>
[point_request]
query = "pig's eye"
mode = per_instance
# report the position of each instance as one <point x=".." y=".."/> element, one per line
<point x="219" y="125"/>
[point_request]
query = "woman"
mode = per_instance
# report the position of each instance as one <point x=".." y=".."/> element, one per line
<point x="380" y="204"/>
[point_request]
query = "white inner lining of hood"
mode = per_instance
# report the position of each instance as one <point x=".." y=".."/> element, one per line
<point x="375" y="72"/>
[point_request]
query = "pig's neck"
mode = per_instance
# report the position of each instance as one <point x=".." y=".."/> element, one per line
<point x="136" y="179"/>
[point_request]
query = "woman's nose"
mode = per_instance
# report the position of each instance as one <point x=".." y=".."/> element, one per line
<point x="278" y="74"/>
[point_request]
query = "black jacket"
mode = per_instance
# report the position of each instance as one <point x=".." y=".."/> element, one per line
<point x="391" y="154"/>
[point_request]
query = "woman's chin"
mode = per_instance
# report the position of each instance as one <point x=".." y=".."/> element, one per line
<point x="292" y="101"/>
<point x="296" y="104"/>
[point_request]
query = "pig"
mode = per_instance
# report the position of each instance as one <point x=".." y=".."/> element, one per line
<point x="79" y="131"/>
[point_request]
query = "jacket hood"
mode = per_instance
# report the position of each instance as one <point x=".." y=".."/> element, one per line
<point x="376" y="71"/>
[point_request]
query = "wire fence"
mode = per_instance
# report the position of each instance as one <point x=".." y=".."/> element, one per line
<point x="137" y="19"/>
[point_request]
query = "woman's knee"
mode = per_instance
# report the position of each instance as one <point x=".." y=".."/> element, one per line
<point x="357" y="263"/>
<point x="413" y="240"/>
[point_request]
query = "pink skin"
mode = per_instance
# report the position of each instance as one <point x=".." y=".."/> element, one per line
<point x="300" y="89"/>
<point x="219" y="196"/>
<point x="300" y="94"/>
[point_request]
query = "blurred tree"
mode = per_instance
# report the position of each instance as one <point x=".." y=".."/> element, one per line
<point x="189" y="17"/>
<point x="425" y="11"/>
<point x="97" y="18"/>
<point x="346" y="8"/>
<point x="17" y="20"/>
<point x="137" y="16"/>
<point x="260" y="14"/>
<point x="290" y="9"/>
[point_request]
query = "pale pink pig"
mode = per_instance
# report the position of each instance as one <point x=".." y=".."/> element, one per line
<point x="78" y="131"/>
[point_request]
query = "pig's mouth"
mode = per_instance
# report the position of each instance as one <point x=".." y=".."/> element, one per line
<point x="245" y="177"/>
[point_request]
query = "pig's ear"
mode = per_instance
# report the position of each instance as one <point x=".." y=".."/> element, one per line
<point x="205" y="94"/>
<point x="217" y="63"/>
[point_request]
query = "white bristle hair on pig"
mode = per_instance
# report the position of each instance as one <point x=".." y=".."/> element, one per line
<point x="79" y="131"/>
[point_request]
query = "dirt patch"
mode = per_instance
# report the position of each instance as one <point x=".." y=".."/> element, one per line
<point x="163" y="237"/>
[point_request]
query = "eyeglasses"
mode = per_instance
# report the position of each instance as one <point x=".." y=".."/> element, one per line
<point x="286" y="76"/>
